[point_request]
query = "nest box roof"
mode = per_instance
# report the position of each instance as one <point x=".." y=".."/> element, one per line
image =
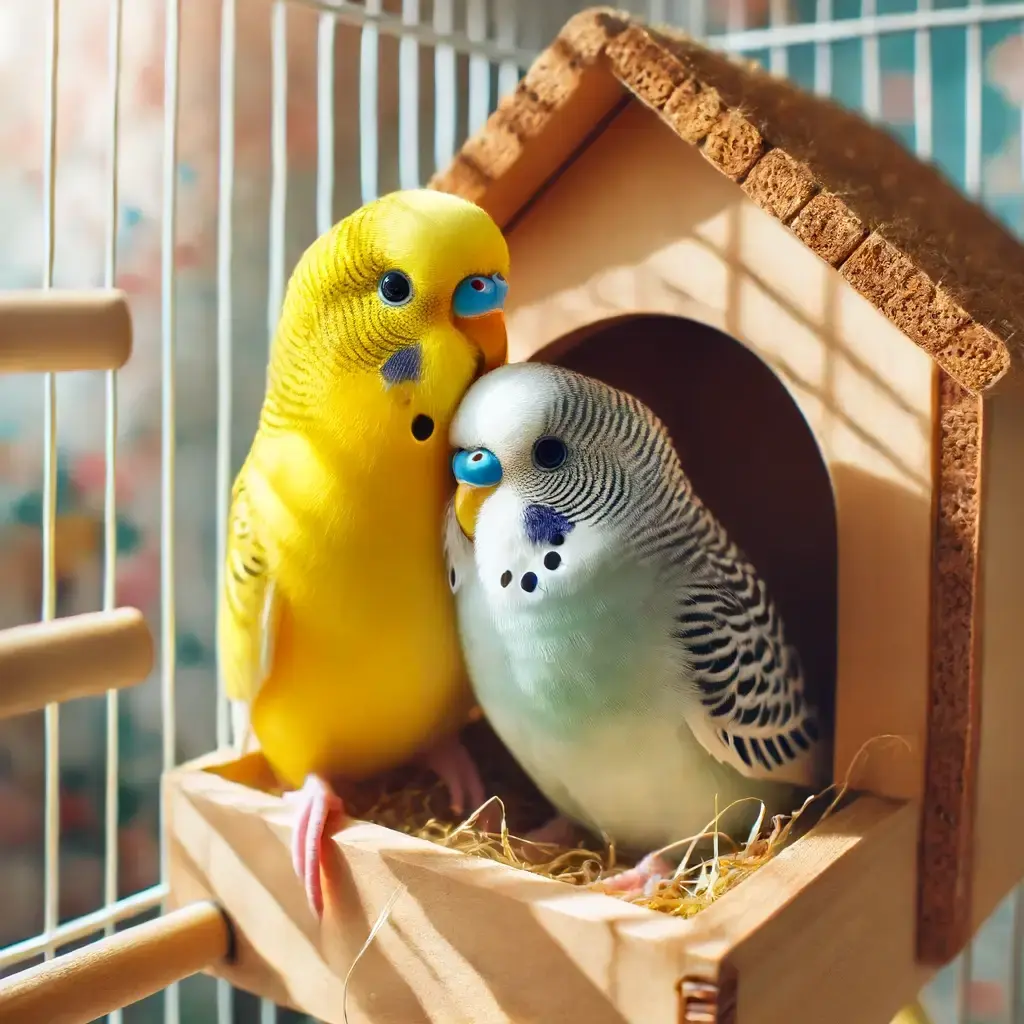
<point x="935" y="263"/>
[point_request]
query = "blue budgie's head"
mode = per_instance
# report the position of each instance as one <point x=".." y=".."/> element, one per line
<point x="555" y="452"/>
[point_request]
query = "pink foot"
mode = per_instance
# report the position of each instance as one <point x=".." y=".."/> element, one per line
<point x="558" y="831"/>
<point x="639" y="880"/>
<point x="316" y="801"/>
<point x="455" y="767"/>
<point x="537" y="846"/>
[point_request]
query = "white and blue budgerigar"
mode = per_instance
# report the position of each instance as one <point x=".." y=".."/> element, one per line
<point x="621" y="646"/>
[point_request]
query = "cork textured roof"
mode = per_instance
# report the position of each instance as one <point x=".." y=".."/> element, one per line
<point x="944" y="271"/>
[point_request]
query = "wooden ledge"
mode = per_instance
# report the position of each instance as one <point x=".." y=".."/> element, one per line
<point x="57" y="331"/>
<point x="471" y="939"/>
<point x="77" y="656"/>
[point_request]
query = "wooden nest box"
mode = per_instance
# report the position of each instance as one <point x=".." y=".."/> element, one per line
<point x="828" y="329"/>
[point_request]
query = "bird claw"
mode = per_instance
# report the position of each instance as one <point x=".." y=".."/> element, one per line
<point x="315" y="803"/>
<point x="558" y="831"/>
<point x="640" y="880"/>
<point x="454" y="766"/>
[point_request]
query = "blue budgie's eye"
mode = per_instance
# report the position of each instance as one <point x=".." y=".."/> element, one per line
<point x="549" y="453"/>
<point x="394" y="288"/>
<point x="478" y="295"/>
<point x="477" y="467"/>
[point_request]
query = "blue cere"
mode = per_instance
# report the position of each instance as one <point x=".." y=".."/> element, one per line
<point x="478" y="295"/>
<point x="477" y="467"/>
<point x="544" y="525"/>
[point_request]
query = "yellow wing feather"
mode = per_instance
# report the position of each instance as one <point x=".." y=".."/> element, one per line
<point x="250" y="610"/>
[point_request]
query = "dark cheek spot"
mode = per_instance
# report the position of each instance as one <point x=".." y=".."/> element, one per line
<point x="529" y="582"/>
<point x="552" y="560"/>
<point x="506" y="578"/>
<point x="422" y="427"/>
<point x="558" y="540"/>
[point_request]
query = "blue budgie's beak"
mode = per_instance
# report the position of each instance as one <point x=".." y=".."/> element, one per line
<point x="478" y="473"/>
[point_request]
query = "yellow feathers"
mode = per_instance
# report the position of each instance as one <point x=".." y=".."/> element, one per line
<point x="913" y="1013"/>
<point x="336" y="622"/>
<point x="336" y="332"/>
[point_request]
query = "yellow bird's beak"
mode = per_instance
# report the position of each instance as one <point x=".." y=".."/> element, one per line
<point x="488" y="333"/>
<point x="468" y="500"/>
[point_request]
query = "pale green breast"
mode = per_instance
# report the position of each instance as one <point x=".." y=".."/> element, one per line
<point x="591" y="696"/>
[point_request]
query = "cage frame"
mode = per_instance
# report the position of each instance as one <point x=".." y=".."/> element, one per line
<point x="698" y="994"/>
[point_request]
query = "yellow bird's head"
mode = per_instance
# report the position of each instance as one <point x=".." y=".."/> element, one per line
<point x="392" y="314"/>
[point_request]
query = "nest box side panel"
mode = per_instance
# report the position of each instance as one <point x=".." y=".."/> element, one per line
<point x="640" y="222"/>
<point x="821" y="933"/>
<point x="999" y="812"/>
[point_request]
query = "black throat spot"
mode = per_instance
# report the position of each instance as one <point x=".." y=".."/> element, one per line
<point x="422" y="427"/>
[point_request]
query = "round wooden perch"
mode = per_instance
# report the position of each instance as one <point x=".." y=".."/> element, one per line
<point x="77" y="656"/>
<point x="88" y="983"/>
<point x="57" y="331"/>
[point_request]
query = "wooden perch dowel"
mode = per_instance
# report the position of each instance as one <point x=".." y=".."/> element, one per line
<point x="77" y="656"/>
<point x="56" y="331"/>
<point x="88" y="983"/>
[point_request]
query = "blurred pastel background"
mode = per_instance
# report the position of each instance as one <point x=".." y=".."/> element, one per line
<point x="81" y="224"/>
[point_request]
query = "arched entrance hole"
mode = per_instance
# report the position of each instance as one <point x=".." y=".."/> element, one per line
<point x="748" y="450"/>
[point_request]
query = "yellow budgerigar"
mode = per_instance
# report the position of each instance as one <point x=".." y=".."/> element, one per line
<point x="337" y="631"/>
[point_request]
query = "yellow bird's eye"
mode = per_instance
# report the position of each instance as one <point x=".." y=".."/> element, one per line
<point x="394" y="288"/>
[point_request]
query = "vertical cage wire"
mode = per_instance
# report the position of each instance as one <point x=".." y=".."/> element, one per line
<point x="823" y="52"/>
<point x="1016" y="989"/>
<point x="51" y="895"/>
<point x="923" y="87"/>
<point x="736" y="16"/>
<point x="112" y="768"/>
<point x="871" y="71"/>
<point x="479" y="66"/>
<point x="963" y="984"/>
<point x="279" y="160"/>
<point x="508" y="71"/>
<point x="325" y="122"/>
<point x="168" y="315"/>
<point x="972" y="114"/>
<point x="445" y="91"/>
<point x="698" y="17"/>
<point x="778" y="55"/>
<point x="278" y="211"/>
<point x="225" y="341"/>
<point x="369" y="73"/>
<point x="409" y="99"/>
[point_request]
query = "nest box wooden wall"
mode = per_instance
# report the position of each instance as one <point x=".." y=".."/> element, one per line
<point x="671" y="211"/>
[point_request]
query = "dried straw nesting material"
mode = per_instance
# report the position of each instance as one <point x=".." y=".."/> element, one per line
<point x="404" y="803"/>
<point x="696" y="884"/>
<point x="712" y="863"/>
